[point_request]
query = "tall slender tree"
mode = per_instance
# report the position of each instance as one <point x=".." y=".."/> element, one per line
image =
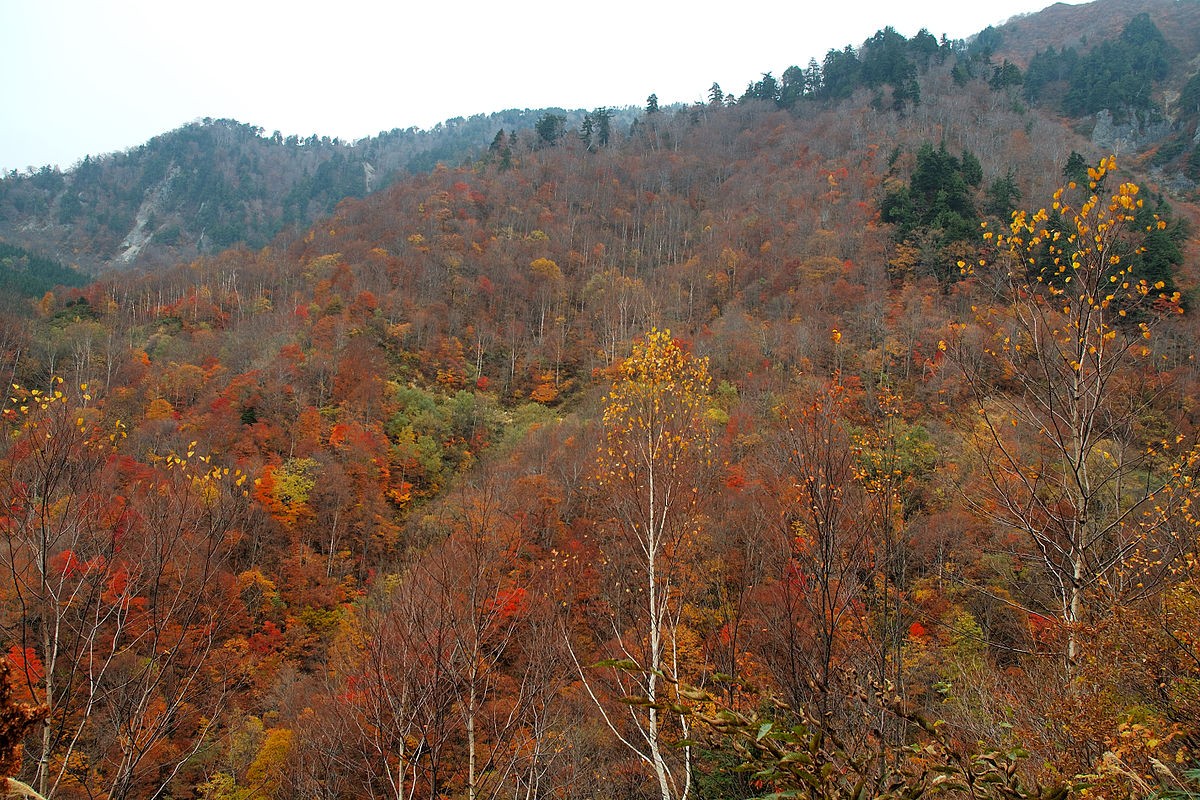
<point x="655" y="447"/>
<point x="1062" y="389"/>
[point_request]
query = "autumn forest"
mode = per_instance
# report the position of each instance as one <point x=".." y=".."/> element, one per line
<point x="834" y="439"/>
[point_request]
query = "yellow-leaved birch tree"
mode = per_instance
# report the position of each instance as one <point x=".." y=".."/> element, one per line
<point x="655" y="448"/>
<point x="1061" y="387"/>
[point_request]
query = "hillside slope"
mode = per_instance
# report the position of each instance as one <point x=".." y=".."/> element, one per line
<point x="424" y="500"/>
<point x="219" y="183"/>
<point x="216" y="183"/>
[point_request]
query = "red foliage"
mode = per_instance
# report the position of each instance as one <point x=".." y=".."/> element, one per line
<point x="65" y="564"/>
<point x="1041" y="626"/>
<point x="25" y="662"/>
<point x="735" y="476"/>
<point x="269" y="640"/>
<point x="510" y="603"/>
<point x="118" y="586"/>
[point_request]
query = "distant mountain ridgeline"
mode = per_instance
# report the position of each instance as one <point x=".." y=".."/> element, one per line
<point x="213" y="184"/>
<point x="1125" y="70"/>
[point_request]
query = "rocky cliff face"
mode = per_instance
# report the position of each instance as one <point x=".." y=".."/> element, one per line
<point x="1136" y="133"/>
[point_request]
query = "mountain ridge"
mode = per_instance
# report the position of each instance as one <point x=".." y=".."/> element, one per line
<point x="219" y="183"/>
<point x="214" y="183"/>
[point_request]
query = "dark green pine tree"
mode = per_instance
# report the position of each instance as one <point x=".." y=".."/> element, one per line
<point x="935" y="213"/>
<point x="972" y="170"/>
<point x="1006" y="75"/>
<point x="587" y="130"/>
<point x="840" y="74"/>
<point x="603" y="119"/>
<point x="1076" y="168"/>
<point x="1002" y="197"/>
<point x="765" y="89"/>
<point x="792" y="87"/>
<point x="1161" y="252"/>
<point x="550" y="128"/>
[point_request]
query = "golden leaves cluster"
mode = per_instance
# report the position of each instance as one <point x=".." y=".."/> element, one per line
<point x="654" y="413"/>
<point x="54" y="412"/>
<point x="1075" y="263"/>
<point x="204" y="474"/>
<point x="1091" y="248"/>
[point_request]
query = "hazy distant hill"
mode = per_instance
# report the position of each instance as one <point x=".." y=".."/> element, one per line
<point x="215" y="183"/>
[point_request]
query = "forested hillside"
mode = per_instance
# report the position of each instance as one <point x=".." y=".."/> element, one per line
<point x="836" y="438"/>
<point x="213" y="184"/>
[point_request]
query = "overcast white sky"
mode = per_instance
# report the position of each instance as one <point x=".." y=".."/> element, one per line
<point x="84" y="77"/>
